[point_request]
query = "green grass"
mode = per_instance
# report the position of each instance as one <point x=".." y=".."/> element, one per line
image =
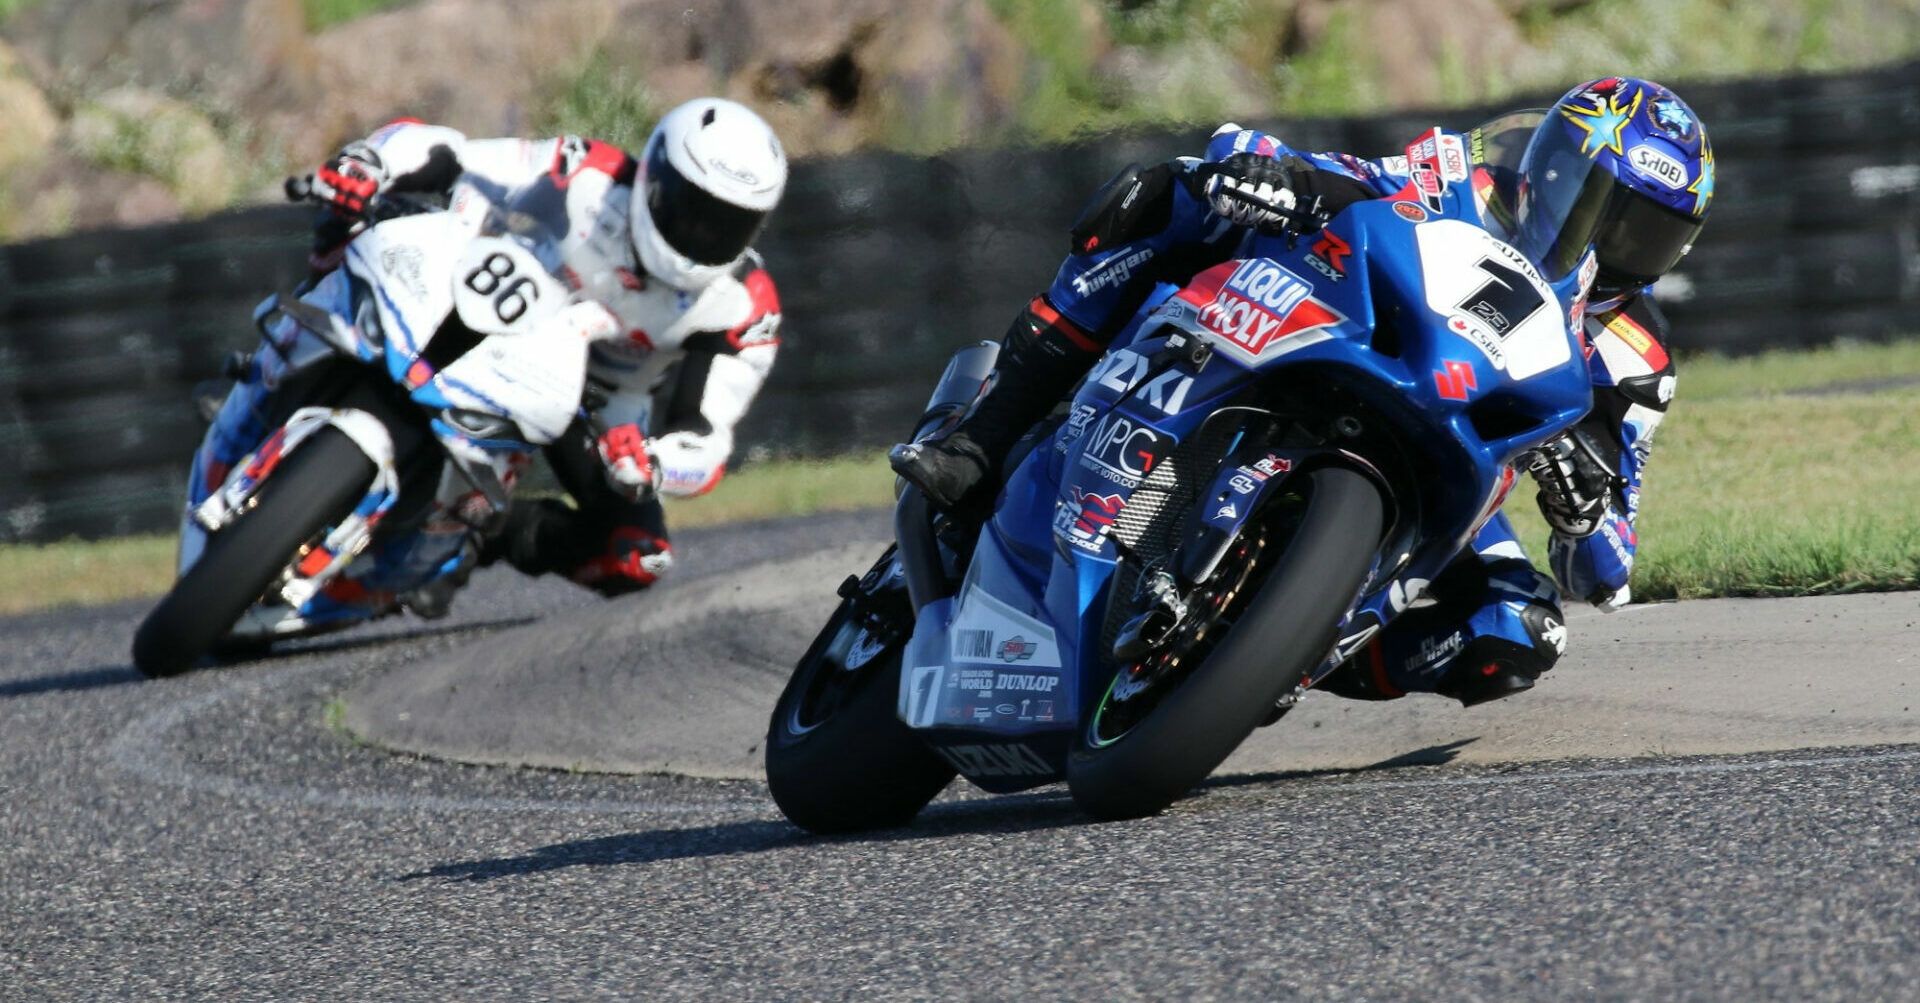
<point x="323" y="14"/>
<point x="1753" y="490"/>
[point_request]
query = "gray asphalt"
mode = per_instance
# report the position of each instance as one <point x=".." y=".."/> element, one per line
<point x="212" y="837"/>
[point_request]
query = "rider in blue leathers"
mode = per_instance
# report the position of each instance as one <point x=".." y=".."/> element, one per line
<point x="1491" y="623"/>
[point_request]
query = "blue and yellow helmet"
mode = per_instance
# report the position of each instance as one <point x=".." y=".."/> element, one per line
<point x="1620" y="165"/>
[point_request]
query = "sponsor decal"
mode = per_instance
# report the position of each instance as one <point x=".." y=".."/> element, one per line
<point x="1658" y="166"/>
<point x="1636" y="337"/>
<point x="1269" y="465"/>
<point x="1328" y="255"/>
<point x="1258" y="306"/>
<point x="1480" y="337"/>
<point x="1412" y="212"/>
<point x="1007" y="759"/>
<point x="734" y="171"/>
<point x="402" y="263"/>
<point x="1025" y="682"/>
<point x="1227" y="511"/>
<point x="978" y="681"/>
<point x="1096" y="514"/>
<point x="1453" y="158"/>
<point x="1455" y="380"/>
<point x="1015" y="649"/>
<point x="1241" y="484"/>
<point x="1113" y="271"/>
<point x="972" y="643"/>
<point x="1121" y="370"/>
<point x="1434" y="654"/>
<point x="1006" y="710"/>
<point x="985" y="629"/>
<point x="1124" y="451"/>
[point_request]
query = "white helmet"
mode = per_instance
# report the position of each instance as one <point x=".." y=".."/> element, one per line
<point x="709" y="175"/>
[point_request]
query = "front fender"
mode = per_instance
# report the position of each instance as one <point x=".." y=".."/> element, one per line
<point x="235" y="494"/>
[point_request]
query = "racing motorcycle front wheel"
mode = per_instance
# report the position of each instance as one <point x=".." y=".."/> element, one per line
<point x="839" y="759"/>
<point x="1255" y="627"/>
<point x="313" y="488"/>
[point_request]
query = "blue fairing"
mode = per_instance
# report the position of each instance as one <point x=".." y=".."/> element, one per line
<point x="1445" y="344"/>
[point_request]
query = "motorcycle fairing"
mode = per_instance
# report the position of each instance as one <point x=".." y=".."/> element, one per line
<point x="1407" y="312"/>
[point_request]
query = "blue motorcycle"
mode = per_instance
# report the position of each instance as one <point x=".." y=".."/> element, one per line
<point x="1262" y="473"/>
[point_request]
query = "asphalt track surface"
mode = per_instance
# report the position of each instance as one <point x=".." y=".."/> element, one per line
<point x="218" y="836"/>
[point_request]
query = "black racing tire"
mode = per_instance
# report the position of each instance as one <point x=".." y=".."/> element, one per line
<point x="839" y="759"/>
<point x="1285" y="627"/>
<point x="314" y="487"/>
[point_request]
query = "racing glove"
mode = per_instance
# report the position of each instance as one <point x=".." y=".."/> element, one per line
<point x="350" y="180"/>
<point x="1257" y="176"/>
<point x="630" y="467"/>
<point x="1574" y="484"/>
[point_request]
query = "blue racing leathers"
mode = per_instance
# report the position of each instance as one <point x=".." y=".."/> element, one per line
<point x="1492" y="611"/>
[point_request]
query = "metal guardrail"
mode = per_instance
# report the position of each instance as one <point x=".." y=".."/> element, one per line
<point x="885" y="263"/>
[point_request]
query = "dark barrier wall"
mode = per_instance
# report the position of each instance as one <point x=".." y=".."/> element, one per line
<point x="886" y="263"/>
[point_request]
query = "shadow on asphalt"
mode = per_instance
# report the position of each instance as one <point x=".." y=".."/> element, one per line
<point x="972" y="816"/>
<point x="1432" y="755"/>
<point x="240" y="657"/>
<point x="72" y="682"/>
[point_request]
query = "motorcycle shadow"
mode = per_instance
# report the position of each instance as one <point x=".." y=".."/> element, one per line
<point x="964" y="816"/>
<point x="350" y="639"/>
<point x="1432" y="755"/>
<point x="98" y="677"/>
<point x="973" y="816"/>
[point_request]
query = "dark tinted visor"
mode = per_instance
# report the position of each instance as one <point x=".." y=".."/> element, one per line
<point x="1564" y="198"/>
<point x="1640" y="240"/>
<point x="709" y="230"/>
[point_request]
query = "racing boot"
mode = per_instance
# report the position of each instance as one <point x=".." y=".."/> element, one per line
<point x="1485" y="629"/>
<point x="1041" y="357"/>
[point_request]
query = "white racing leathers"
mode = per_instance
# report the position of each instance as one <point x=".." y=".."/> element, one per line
<point x="685" y="371"/>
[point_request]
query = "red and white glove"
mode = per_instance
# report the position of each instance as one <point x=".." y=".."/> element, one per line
<point x="631" y="469"/>
<point x="350" y="180"/>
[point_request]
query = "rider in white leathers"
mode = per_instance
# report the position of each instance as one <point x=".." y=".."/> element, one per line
<point x="700" y="315"/>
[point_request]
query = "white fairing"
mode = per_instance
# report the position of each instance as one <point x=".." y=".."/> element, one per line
<point x="1458" y="262"/>
<point x="412" y="262"/>
<point x="536" y="378"/>
<point x="725" y="149"/>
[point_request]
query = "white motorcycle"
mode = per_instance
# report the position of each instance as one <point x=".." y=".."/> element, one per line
<point x="377" y="433"/>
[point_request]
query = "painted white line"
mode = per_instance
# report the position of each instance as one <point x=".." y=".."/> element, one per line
<point x="143" y="749"/>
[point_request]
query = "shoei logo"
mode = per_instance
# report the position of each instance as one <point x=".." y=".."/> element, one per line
<point x="1658" y="166"/>
<point x="1259" y="305"/>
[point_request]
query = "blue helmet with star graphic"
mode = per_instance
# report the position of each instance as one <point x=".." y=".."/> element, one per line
<point x="1620" y="165"/>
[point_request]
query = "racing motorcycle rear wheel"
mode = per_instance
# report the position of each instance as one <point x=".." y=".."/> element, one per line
<point x="839" y="759"/>
<point x="1262" y="621"/>
<point x="314" y="487"/>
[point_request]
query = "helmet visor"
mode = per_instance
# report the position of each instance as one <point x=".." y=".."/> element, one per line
<point x="707" y="229"/>
<point x="1563" y="201"/>
<point x="1640" y="239"/>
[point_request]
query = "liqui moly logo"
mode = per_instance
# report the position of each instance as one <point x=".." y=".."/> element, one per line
<point x="1258" y="305"/>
